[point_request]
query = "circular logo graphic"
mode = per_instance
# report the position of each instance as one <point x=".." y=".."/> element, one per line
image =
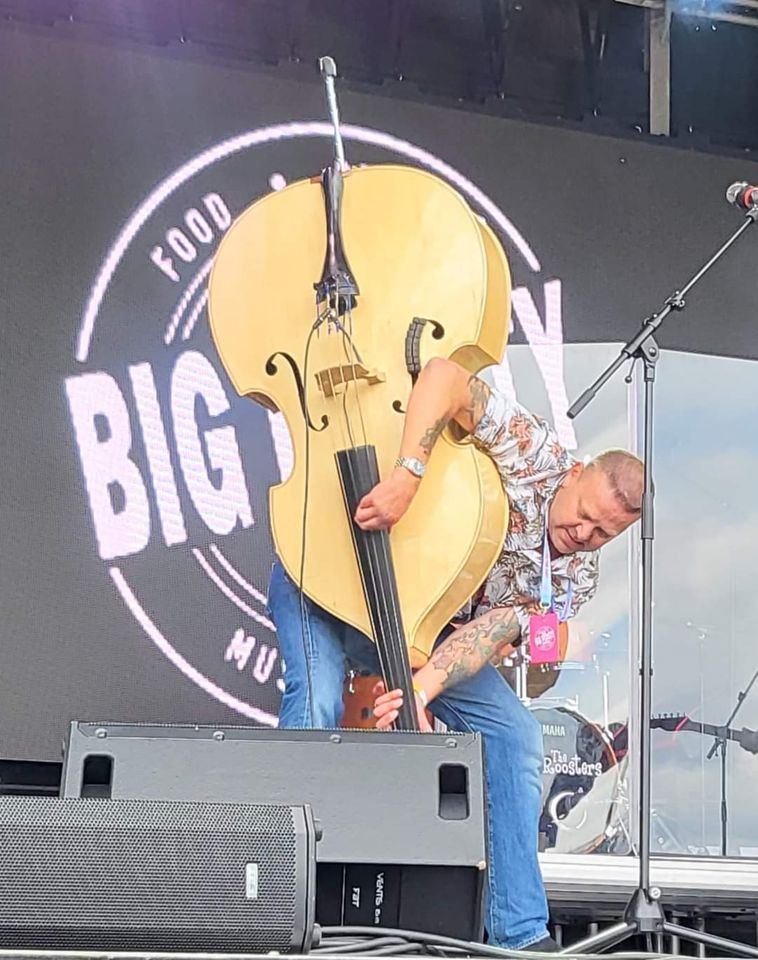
<point x="544" y="638"/>
<point x="175" y="466"/>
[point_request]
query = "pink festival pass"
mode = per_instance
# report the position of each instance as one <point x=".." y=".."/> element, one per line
<point x="543" y="638"/>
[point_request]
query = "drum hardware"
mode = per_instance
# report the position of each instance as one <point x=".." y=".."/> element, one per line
<point x="517" y="669"/>
<point x="618" y="840"/>
<point x="606" y="722"/>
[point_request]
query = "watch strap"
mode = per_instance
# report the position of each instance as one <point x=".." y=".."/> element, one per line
<point x="412" y="464"/>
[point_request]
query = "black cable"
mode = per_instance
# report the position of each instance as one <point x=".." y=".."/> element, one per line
<point x="452" y="944"/>
<point x="390" y="951"/>
<point x="353" y="945"/>
<point x="384" y="946"/>
<point x="468" y="946"/>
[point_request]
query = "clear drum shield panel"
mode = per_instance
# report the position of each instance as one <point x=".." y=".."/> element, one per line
<point x="705" y="654"/>
<point x="705" y="650"/>
<point x="583" y="700"/>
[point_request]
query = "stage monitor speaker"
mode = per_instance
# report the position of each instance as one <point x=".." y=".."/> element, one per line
<point x="137" y="875"/>
<point x="403" y="814"/>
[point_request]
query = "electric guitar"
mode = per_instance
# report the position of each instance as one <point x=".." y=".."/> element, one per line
<point x="674" y="722"/>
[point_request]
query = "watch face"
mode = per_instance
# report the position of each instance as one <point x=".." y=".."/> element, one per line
<point x="412" y="464"/>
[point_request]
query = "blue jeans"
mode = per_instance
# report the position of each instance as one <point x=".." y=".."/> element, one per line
<point x="516" y="906"/>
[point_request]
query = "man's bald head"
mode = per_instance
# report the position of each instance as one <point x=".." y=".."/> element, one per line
<point x="625" y="474"/>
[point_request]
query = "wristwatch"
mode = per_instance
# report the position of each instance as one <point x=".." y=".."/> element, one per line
<point x="421" y="694"/>
<point x="416" y="467"/>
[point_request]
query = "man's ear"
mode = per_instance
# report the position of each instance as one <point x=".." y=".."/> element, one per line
<point x="576" y="471"/>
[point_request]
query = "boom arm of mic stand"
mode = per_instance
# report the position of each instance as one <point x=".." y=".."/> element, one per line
<point x="675" y="302"/>
<point x="628" y="352"/>
<point x="589" y="394"/>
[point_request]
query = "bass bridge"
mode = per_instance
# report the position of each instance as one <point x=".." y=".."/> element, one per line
<point x="334" y="380"/>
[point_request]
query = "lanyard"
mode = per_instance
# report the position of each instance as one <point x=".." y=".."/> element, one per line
<point x="546" y="583"/>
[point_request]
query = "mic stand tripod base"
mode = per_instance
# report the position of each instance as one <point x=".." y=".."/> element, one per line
<point x="641" y="916"/>
<point x="646" y="916"/>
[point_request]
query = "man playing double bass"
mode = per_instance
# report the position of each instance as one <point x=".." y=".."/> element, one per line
<point x="561" y="513"/>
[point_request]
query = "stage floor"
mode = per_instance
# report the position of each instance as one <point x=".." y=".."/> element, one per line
<point x="599" y="885"/>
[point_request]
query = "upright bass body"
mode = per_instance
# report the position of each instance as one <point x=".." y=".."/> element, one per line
<point x="416" y="251"/>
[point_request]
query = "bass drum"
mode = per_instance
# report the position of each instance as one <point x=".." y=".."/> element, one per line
<point x="580" y="782"/>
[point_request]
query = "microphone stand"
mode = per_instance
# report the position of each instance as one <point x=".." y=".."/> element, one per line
<point x="720" y="744"/>
<point x="644" y="913"/>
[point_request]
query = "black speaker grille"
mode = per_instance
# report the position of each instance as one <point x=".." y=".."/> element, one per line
<point x="126" y="874"/>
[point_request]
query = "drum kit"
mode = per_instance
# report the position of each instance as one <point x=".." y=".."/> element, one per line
<point x="583" y="765"/>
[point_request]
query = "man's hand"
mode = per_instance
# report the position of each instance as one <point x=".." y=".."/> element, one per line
<point x="386" y="503"/>
<point x="387" y="707"/>
<point x="444" y="391"/>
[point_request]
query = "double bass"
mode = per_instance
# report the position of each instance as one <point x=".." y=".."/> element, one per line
<point x="325" y="299"/>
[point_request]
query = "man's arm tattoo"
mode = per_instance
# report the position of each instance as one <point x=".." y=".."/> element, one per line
<point x="432" y="434"/>
<point x="469" y="648"/>
<point x="478" y="395"/>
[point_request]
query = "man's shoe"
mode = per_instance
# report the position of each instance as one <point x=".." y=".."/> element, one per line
<point x="545" y="945"/>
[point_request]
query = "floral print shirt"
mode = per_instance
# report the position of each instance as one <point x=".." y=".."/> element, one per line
<point x="532" y="464"/>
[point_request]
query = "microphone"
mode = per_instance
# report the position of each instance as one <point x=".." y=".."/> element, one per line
<point x="742" y="195"/>
<point x="749" y="740"/>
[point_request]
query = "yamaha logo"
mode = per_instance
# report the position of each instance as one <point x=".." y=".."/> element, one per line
<point x="175" y="467"/>
<point x="553" y="730"/>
